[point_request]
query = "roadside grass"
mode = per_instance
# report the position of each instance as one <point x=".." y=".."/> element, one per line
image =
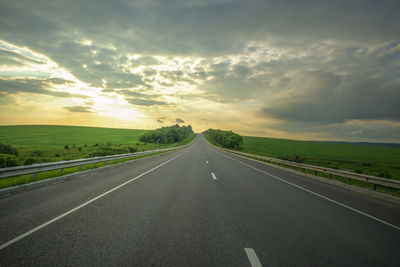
<point x="47" y="143"/>
<point x="367" y="159"/>
<point x="28" y="178"/>
<point x="385" y="162"/>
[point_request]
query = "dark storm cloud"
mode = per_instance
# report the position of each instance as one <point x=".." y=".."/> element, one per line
<point x="79" y="109"/>
<point x="201" y="27"/>
<point x="34" y="86"/>
<point x="145" y="102"/>
<point x="328" y="98"/>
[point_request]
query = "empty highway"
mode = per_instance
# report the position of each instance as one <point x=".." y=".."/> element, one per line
<point x="196" y="206"/>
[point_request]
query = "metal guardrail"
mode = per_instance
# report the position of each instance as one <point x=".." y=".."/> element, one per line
<point x="61" y="165"/>
<point x="316" y="169"/>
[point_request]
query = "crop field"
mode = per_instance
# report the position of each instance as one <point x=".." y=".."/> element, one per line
<point x="48" y="143"/>
<point x="368" y="159"/>
<point x="54" y="135"/>
<point x="45" y="143"/>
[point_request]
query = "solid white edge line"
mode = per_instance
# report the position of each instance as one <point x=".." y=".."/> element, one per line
<point x="316" y="194"/>
<point x="253" y="259"/>
<point x="213" y="176"/>
<point x="83" y="205"/>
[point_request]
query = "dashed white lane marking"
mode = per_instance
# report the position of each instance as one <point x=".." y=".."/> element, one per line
<point x="83" y="205"/>
<point x="251" y="254"/>
<point x="207" y="161"/>
<point x="316" y="194"/>
<point x="213" y="176"/>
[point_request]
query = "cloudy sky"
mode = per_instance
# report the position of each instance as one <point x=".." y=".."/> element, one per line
<point x="319" y="70"/>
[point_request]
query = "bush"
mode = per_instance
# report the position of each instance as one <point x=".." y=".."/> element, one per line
<point x="7" y="160"/>
<point x="385" y="174"/>
<point x="226" y="139"/>
<point x="37" y="153"/>
<point x="57" y="155"/>
<point x="30" y="161"/>
<point x="80" y="149"/>
<point x="107" y="150"/>
<point x="167" y="135"/>
<point x="66" y="147"/>
<point x="8" y="149"/>
<point x="132" y="149"/>
<point x="293" y="157"/>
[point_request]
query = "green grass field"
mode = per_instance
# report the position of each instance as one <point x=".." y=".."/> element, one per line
<point x="46" y="142"/>
<point x="367" y="159"/>
<point x="55" y="135"/>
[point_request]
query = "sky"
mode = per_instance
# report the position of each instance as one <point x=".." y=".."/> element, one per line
<point x="309" y="70"/>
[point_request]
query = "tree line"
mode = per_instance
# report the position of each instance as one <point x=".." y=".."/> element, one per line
<point x="167" y="135"/>
<point x="227" y="139"/>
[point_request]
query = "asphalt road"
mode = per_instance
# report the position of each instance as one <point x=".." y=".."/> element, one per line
<point x="196" y="207"/>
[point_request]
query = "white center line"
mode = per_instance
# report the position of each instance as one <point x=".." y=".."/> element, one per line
<point x="316" y="194"/>
<point x="213" y="176"/>
<point x="251" y="254"/>
<point x="83" y="205"/>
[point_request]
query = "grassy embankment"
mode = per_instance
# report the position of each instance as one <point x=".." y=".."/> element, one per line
<point x="46" y="143"/>
<point x="367" y="159"/>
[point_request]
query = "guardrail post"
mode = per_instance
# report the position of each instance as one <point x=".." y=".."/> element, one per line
<point x="95" y="164"/>
<point x="61" y="170"/>
<point x="80" y="167"/>
<point x="330" y="176"/>
<point x="106" y="162"/>
<point x="315" y="173"/>
<point x="374" y="187"/>
<point x="34" y="175"/>
<point x="348" y="180"/>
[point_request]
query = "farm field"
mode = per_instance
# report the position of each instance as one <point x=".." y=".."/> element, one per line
<point x="49" y="143"/>
<point x="368" y="159"/>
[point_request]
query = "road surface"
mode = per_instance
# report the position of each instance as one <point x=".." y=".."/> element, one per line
<point x="196" y="207"/>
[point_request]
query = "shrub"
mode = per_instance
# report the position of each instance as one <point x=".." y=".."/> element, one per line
<point x="7" y="160"/>
<point x="293" y="157"/>
<point x="385" y="174"/>
<point x="132" y="149"/>
<point x="107" y="150"/>
<point x="37" y="153"/>
<point x="30" y="161"/>
<point x="66" y="147"/>
<point x="57" y="155"/>
<point x="8" y="149"/>
<point x="167" y="135"/>
<point x="226" y="139"/>
<point x="80" y="149"/>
